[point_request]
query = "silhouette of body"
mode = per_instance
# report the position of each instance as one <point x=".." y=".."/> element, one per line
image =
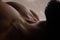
<point x="52" y="13"/>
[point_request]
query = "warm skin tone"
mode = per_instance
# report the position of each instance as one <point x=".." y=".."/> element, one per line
<point x="0" y="0"/>
<point x="14" y="23"/>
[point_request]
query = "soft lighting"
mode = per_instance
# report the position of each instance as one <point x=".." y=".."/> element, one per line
<point x="31" y="0"/>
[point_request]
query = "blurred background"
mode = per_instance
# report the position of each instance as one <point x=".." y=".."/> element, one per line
<point x="38" y="6"/>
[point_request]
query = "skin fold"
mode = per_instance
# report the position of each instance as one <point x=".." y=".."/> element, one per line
<point x="19" y="23"/>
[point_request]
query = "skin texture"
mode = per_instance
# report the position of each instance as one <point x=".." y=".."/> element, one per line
<point x="15" y="24"/>
<point x="26" y="14"/>
<point x="30" y="18"/>
<point x="8" y="17"/>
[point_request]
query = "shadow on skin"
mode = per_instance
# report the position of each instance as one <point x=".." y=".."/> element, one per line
<point x="16" y="26"/>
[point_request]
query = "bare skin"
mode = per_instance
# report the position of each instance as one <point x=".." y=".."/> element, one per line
<point x="12" y="22"/>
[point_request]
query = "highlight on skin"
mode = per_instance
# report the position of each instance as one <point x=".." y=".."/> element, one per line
<point x="8" y="16"/>
<point x="31" y="19"/>
<point x="17" y="20"/>
<point x="14" y="16"/>
<point x="26" y="14"/>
